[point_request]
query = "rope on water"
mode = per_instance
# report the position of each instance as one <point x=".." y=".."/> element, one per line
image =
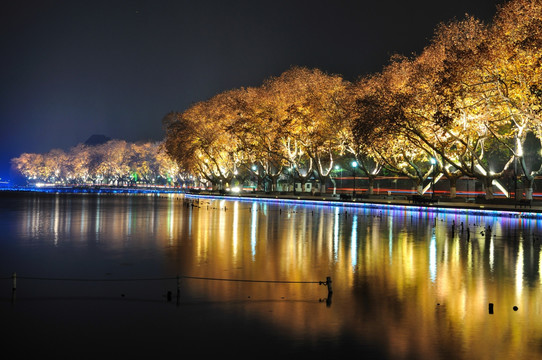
<point x="90" y="280"/>
<point x="168" y="278"/>
<point x="257" y="281"/>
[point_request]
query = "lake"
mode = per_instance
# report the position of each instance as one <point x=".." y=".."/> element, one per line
<point x="176" y="275"/>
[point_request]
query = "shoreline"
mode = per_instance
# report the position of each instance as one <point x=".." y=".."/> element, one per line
<point x="498" y="207"/>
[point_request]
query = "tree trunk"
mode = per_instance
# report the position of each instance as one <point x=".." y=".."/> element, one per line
<point x="488" y="182"/>
<point x="370" y="189"/>
<point x="453" y="187"/>
<point x="274" y="180"/>
<point x="529" y="188"/>
<point x="529" y="193"/>
<point x="453" y="192"/>
<point x="323" y="182"/>
<point x="518" y="194"/>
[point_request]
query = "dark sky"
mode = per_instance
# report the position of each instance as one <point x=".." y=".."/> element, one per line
<point x="70" y="69"/>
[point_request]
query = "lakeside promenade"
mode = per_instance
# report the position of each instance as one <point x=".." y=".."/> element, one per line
<point x="498" y="206"/>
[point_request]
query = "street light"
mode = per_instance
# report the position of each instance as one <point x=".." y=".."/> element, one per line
<point x="337" y="168"/>
<point x="254" y="168"/>
<point x="433" y="163"/>
<point x="291" y="171"/>
<point x="354" y="166"/>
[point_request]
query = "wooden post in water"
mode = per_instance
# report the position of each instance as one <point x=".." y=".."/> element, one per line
<point x="178" y="290"/>
<point x="14" y="287"/>
<point x="329" y="291"/>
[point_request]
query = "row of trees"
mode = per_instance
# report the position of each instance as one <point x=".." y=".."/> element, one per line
<point x="466" y="106"/>
<point x="115" y="162"/>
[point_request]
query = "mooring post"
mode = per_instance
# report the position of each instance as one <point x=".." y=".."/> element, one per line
<point x="178" y="290"/>
<point x="14" y="287"/>
<point x="328" y="283"/>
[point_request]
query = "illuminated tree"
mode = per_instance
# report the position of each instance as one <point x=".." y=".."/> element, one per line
<point x="513" y="68"/>
<point x="142" y="163"/>
<point x="79" y="163"/>
<point x="381" y="123"/>
<point x="56" y="165"/>
<point x="311" y="107"/>
<point x="258" y="129"/>
<point x="167" y="168"/>
<point x="490" y="77"/>
<point x="438" y="105"/>
<point x="365" y="111"/>
<point x="29" y="165"/>
<point x="466" y="106"/>
<point x="198" y="139"/>
<point x="112" y="162"/>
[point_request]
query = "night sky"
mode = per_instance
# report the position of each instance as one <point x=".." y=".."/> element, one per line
<point x="70" y="69"/>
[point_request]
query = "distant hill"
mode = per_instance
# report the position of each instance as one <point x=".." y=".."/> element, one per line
<point x="97" y="140"/>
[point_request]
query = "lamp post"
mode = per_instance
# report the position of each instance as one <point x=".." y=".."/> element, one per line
<point x="354" y="166"/>
<point x="291" y="171"/>
<point x="433" y="163"/>
<point x="337" y="168"/>
<point x="254" y="168"/>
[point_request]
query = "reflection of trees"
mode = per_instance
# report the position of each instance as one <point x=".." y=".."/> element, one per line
<point x="416" y="289"/>
<point x="451" y="310"/>
<point x="401" y="280"/>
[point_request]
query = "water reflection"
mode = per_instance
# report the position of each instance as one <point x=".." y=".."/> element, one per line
<point x="412" y="283"/>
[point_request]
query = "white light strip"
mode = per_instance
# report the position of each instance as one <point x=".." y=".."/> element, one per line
<point x="425" y="189"/>
<point x="494" y="182"/>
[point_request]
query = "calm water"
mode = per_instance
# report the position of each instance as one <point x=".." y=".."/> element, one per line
<point x="405" y="285"/>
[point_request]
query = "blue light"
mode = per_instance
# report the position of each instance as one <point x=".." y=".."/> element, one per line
<point x="299" y="201"/>
<point x="407" y="208"/>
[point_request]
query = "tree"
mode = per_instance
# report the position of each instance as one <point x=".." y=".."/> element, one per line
<point x="311" y="107"/>
<point x="114" y="166"/>
<point x="79" y="160"/>
<point x="198" y="139"/>
<point x="382" y="118"/>
<point x="365" y="110"/>
<point x="514" y="63"/>
<point x="167" y="168"/>
<point x="258" y="128"/>
<point x="29" y="165"/>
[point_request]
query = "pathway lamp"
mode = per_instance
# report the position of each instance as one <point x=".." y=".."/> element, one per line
<point x="292" y="175"/>
<point x="354" y="166"/>
<point x="338" y="168"/>
<point x="254" y="168"/>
